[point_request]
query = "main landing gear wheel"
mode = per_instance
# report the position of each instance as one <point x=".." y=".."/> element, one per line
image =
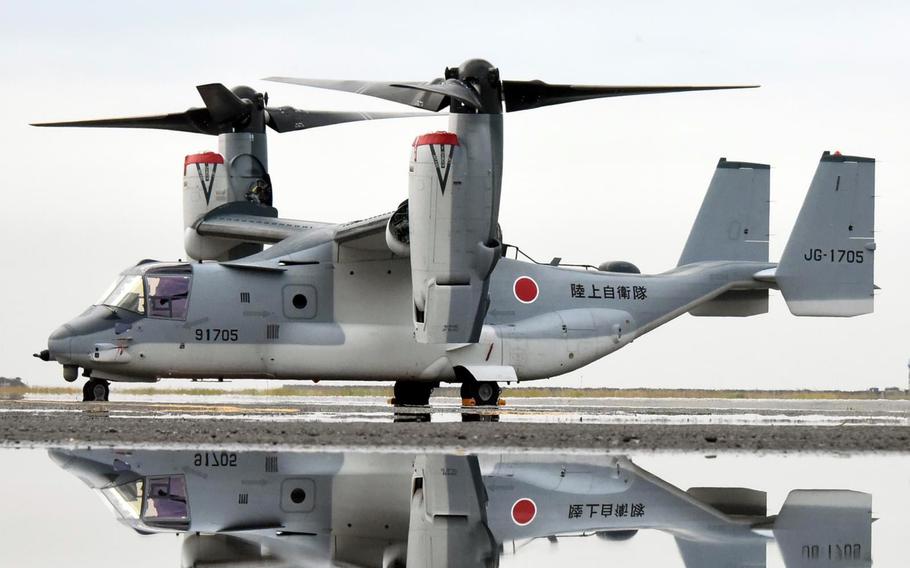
<point x="483" y="393"/>
<point x="95" y="390"/>
<point x="413" y="393"/>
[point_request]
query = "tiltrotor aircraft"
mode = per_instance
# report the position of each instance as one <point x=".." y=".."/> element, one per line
<point x="426" y="294"/>
<point x="388" y="510"/>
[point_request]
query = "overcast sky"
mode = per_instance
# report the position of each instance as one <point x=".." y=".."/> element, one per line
<point x="593" y="181"/>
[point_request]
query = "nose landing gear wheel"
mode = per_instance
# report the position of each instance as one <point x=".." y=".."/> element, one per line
<point x="95" y="390"/>
<point x="483" y="393"/>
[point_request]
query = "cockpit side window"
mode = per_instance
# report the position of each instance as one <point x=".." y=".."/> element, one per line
<point x="166" y="502"/>
<point x="168" y="295"/>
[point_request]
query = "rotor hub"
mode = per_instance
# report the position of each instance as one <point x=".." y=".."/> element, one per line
<point x="483" y="78"/>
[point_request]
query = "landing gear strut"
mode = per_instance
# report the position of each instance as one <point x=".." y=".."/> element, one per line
<point x="483" y="393"/>
<point x="413" y="393"/>
<point x="95" y="390"/>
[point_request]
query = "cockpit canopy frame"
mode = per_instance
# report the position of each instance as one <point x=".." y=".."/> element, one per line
<point x="154" y="290"/>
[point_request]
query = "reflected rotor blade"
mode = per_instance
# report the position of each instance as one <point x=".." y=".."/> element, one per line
<point x="524" y="95"/>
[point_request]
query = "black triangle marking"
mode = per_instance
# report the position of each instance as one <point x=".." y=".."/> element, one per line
<point x="206" y="190"/>
<point x="443" y="179"/>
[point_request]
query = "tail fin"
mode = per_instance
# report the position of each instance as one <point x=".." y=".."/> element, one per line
<point x="820" y="528"/>
<point x="726" y="553"/>
<point x="732" y="224"/>
<point x="827" y="265"/>
<point x="743" y="554"/>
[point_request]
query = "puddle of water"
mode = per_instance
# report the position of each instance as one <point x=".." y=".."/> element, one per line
<point x="609" y="411"/>
<point x="373" y="508"/>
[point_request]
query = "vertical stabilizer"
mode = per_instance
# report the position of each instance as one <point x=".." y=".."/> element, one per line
<point x="822" y="528"/>
<point x="827" y="265"/>
<point x="732" y="223"/>
<point x="710" y="554"/>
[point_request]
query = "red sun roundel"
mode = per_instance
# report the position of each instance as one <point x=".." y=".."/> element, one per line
<point x="525" y="289"/>
<point x="524" y="511"/>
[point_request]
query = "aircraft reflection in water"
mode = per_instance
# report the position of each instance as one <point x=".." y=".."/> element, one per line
<point x="406" y="414"/>
<point x="388" y="510"/>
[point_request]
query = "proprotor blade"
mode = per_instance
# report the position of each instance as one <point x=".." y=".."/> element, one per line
<point x="223" y="104"/>
<point x="409" y="93"/>
<point x="289" y="119"/>
<point x="194" y="120"/>
<point x="524" y="95"/>
<point x="450" y="88"/>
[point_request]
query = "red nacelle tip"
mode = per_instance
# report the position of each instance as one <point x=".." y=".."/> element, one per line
<point x="202" y="158"/>
<point x="436" y="138"/>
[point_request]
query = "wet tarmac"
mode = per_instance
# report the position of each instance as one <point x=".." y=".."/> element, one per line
<point x="523" y="423"/>
<point x="373" y="507"/>
<point x="321" y="481"/>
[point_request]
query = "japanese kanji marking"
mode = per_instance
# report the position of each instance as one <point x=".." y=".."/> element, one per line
<point x="615" y="510"/>
<point x="596" y="292"/>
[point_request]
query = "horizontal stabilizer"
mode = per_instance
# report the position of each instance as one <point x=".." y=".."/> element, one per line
<point x="821" y="528"/>
<point x="827" y="266"/>
<point x="732" y="500"/>
<point x="734" y="303"/>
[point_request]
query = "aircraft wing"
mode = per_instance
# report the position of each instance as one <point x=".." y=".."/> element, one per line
<point x="252" y="228"/>
<point x="351" y="233"/>
<point x="292" y="240"/>
<point x="364" y="238"/>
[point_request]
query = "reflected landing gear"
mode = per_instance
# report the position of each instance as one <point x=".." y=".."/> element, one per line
<point x="480" y="417"/>
<point x="403" y="415"/>
<point x="480" y="393"/>
<point x="96" y="390"/>
<point x="413" y="393"/>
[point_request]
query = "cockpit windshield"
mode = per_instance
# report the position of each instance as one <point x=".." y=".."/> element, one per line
<point x="158" y="502"/>
<point x="156" y="290"/>
<point x="126" y="293"/>
<point x="126" y="499"/>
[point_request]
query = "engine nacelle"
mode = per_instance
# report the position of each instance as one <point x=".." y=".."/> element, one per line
<point x="397" y="231"/>
<point x="451" y="222"/>
<point x="398" y="234"/>
<point x="233" y="178"/>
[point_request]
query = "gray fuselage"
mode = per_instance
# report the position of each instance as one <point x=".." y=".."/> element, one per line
<point x="355" y="321"/>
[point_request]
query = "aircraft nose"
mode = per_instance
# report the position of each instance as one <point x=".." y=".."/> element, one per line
<point x="95" y="474"/>
<point x="65" y="331"/>
<point x="58" y="344"/>
<point x="93" y="320"/>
